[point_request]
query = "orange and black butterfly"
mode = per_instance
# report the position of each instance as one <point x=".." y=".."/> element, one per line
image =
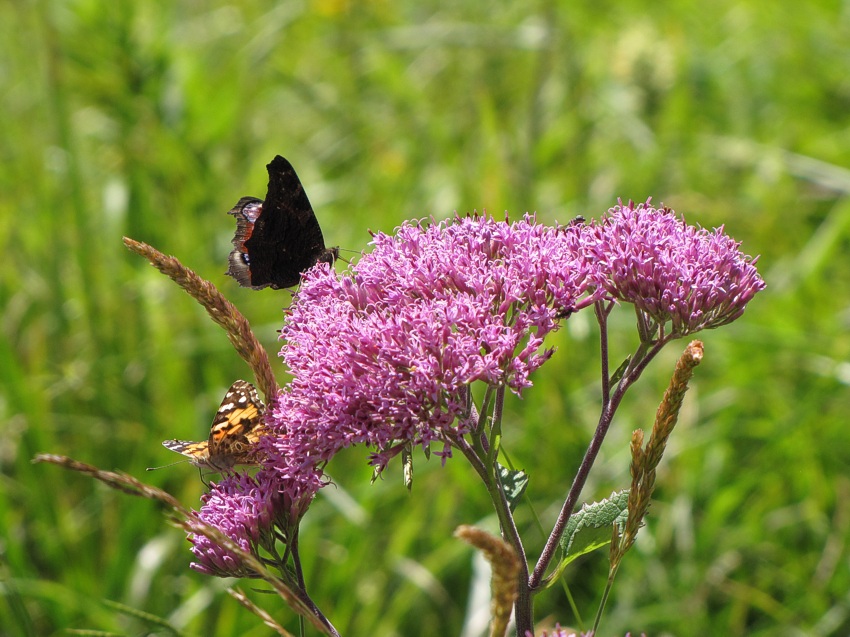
<point x="236" y="428"/>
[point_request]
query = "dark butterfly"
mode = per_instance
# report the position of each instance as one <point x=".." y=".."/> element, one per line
<point x="277" y="239"/>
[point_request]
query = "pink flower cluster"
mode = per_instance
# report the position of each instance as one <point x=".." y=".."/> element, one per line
<point x="692" y="278"/>
<point x="239" y="507"/>
<point x="564" y="632"/>
<point x="384" y="355"/>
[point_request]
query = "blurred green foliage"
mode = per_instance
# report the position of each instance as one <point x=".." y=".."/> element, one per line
<point x="151" y="119"/>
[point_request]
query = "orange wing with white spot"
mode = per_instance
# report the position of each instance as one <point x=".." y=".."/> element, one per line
<point x="236" y="428"/>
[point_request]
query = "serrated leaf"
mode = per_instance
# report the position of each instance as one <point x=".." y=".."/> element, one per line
<point x="514" y="483"/>
<point x="590" y="527"/>
<point x="618" y="374"/>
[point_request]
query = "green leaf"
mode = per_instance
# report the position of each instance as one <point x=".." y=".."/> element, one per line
<point x="618" y="374"/>
<point x="514" y="483"/>
<point x="590" y="527"/>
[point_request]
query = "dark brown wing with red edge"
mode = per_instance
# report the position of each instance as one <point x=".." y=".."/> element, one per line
<point x="247" y="211"/>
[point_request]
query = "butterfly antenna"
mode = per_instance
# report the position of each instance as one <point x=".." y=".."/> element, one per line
<point x="348" y="261"/>
<point x="165" y="466"/>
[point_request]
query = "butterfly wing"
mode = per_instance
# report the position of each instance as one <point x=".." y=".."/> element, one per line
<point x="276" y="241"/>
<point x="236" y="428"/>
<point x="197" y="452"/>
<point x="246" y="211"/>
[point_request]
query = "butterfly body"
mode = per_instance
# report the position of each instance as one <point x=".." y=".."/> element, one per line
<point x="277" y="238"/>
<point x="236" y="428"/>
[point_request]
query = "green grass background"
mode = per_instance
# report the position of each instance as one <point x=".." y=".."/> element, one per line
<point x="151" y="119"/>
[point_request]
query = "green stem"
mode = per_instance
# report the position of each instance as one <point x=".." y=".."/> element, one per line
<point x="605" y="594"/>
<point x="482" y="453"/>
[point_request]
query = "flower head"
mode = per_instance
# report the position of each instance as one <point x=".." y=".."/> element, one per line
<point x="694" y="278"/>
<point x="385" y="354"/>
<point x="237" y="507"/>
<point x="565" y="632"/>
<point x="245" y="509"/>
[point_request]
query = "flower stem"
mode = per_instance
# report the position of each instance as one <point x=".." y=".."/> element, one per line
<point x="608" y="586"/>
<point x="640" y="360"/>
<point x="602" y="317"/>
<point x="483" y="457"/>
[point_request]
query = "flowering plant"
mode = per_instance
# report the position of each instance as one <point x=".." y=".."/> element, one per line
<point x="387" y="355"/>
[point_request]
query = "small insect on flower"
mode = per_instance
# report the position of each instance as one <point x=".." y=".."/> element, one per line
<point x="236" y="428"/>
